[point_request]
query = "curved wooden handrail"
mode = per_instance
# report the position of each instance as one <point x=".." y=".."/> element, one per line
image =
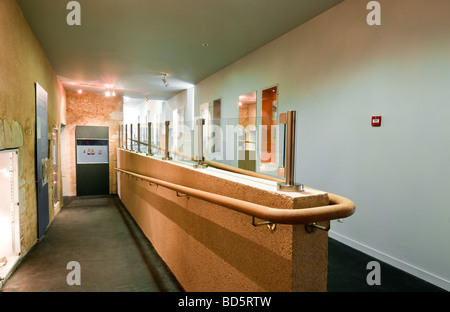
<point x="339" y="206"/>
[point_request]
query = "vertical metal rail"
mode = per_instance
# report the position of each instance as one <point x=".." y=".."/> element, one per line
<point x="166" y="143"/>
<point x="123" y="132"/>
<point x="120" y="137"/>
<point x="126" y="137"/>
<point x="131" y="136"/>
<point x="138" y="137"/>
<point x="200" y="158"/>
<point x="149" y="139"/>
<point x="289" y="184"/>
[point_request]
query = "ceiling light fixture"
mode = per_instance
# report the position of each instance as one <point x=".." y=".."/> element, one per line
<point x="80" y="91"/>
<point x="165" y="81"/>
<point x="109" y="93"/>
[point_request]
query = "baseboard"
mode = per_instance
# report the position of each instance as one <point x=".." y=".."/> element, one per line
<point x="401" y="265"/>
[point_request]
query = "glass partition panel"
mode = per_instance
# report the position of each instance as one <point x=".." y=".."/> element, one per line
<point x="251" y="143"/>
<point x="247" y="131"/>
<point x="223" y="142"/>
<point x="270" y="146"/>
<point x="159" y="142"/>
<point x="217" y="108"/>
<point x="182" y="140"/>
<point x="244" y="145"/>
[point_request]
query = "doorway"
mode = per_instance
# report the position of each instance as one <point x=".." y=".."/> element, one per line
<point x="247" y="131"/>
<point x="92" y="159"/>
<point x="269" y="136"/>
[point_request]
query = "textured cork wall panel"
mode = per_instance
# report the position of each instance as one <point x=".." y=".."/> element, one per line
<point x="90" y="109"/>
<point x="212" y="248"/>
<point x="310" y="260"/>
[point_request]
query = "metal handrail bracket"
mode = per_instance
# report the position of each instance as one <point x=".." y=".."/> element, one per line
<point x="271" y="226"/>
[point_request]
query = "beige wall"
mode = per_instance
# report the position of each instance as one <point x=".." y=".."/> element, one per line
<point x="22" y="64"/>
<point x="90" y="109"/>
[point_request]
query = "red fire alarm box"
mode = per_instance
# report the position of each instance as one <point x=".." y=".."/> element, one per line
<point x="376" y="121"/>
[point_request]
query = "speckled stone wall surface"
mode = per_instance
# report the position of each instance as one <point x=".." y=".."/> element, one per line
<point x="22" y="64"/>
<point x="212" y="248"/>
<point x="90" y="109"/>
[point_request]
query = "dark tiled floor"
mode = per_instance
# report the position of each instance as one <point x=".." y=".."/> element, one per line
<point x="347" y="272"/>
<point x="115" y="256"/>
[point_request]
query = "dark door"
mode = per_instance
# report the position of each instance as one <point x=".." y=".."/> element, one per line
<point x="41" y="161"/>
<point x="92" y="150"/>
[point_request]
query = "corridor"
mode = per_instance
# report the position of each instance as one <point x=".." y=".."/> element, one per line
<point x="98" y="233"/>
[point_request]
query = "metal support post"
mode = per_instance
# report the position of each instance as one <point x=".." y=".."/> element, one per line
<point x="126" y="137"/>
<point x="149" y="139"/>
<point x="289" y="184"/>
<point x="131" y="137"/>
<point x="167" y="157"/>
<point x="200" y="159"/>
<point x="120" y="136"/>
<point x="138" y="137"/>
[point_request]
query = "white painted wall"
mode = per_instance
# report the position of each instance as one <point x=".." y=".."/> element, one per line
<point x="131" y="109"/>
<point x="336" y="72"/>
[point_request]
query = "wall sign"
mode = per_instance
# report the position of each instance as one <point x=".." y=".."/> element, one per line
<point x="92" y="152"/>
<point x="376" y="121"/>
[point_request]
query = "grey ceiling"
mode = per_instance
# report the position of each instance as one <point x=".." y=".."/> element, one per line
<point x="131" y="43"/>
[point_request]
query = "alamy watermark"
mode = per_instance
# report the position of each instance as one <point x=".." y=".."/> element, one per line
<point x="374" y="276"/>
<point x="74" y="276"/>
<point x="74" y="16"/>
<point x="374" y="16"/>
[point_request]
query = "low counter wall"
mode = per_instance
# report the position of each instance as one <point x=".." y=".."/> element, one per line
<point x="212" y="248"/>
